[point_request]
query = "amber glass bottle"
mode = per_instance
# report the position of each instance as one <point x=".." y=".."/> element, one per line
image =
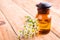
<point x="44" y="18"/>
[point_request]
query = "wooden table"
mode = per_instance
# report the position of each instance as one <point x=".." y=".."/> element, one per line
<point x="12" y="14"/>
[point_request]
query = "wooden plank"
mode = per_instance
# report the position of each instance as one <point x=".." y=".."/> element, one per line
<point x="49" y="36"/>
<point x="6" y="33"/>
<point x="15" y="15"/>
<point x="18" y="18"/>
<point x="28" y="5"/>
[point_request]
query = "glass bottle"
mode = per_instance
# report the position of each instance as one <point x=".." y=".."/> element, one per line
<point x="43" y="18"/>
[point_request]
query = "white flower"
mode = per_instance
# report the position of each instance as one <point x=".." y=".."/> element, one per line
<point x="30" y="28"/>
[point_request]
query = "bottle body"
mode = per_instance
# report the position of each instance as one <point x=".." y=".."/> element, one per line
<point x="43" y="17"/>
<point x="44" y="23"/>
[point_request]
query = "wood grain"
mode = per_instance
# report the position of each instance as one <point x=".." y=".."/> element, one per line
<point x="6" y="33"/>
<point x="14" y="13"/>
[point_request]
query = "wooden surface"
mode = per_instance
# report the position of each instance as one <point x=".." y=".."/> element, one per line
<point x="12" y="14"/>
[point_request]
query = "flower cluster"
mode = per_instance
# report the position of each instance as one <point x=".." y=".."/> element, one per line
<point x="30" y="28"/>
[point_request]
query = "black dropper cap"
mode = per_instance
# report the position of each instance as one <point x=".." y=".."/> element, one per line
<point x="43" y="5"/>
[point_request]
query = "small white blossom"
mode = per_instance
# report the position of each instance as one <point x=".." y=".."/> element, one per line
<point x="30" y="28"/>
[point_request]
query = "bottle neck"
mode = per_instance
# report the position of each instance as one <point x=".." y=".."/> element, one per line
<point x="43" y="11"/>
